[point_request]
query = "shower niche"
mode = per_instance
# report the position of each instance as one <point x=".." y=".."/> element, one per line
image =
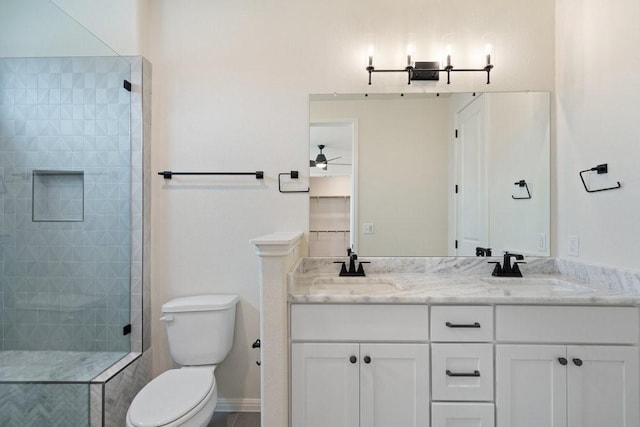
<point x="57" y="196"/>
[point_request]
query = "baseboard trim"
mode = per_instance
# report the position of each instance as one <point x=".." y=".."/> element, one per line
<point x="238" y="405"/>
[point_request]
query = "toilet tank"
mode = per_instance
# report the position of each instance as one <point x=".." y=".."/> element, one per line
<point x="200" y="328"/>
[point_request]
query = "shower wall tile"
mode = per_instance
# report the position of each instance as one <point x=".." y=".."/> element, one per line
<point x="120" y="390"/>
<point x="69" y="114"/>
<point x="96" y="393"/>
<point x="136" y="202"/>
<point x="146" y="203"/>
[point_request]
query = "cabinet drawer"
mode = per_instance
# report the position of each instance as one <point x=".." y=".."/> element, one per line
<point x="449" y="414"/>
<point x="359" y="322"/>
<point x="462" y="323"/>
<point x="462" y="371"/>
<point x="567" y="324"/>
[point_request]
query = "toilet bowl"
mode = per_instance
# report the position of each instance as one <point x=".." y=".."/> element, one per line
<point x="179" y="397"/>
<point x="200" y="335"/>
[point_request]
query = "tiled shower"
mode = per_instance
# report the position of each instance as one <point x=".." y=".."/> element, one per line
<point x="73" y="229"/>
<point x="65" y="171"/>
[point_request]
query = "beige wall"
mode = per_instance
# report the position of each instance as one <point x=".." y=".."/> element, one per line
<point x="402" y="172"/>
<point x="231" y="84"/>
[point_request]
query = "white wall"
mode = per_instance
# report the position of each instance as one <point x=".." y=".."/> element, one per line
<point x="38" y="28"/>
<point x="231" y="83"/>
<point x="597" y="61"/>
<point x="518" y="143"/>
<point x="100" y="17"/>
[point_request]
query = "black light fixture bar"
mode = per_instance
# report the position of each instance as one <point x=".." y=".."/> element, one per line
<point x="413" y="72"/>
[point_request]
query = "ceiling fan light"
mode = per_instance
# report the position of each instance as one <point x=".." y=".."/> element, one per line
<point x="321" y="161"/>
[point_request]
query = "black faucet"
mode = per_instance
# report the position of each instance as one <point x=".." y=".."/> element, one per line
<point x="352" y="265"/>
<point x="483" y="251"/>
<point x="508" y="270"/>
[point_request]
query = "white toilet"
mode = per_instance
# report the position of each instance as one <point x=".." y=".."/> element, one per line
<point x="200" y="332"/>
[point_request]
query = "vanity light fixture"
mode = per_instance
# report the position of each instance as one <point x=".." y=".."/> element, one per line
<point x="431" y="70"/>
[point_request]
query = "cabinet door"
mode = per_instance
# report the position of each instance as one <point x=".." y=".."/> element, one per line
<point x="603" y="386"/>
<point x="531" y="386"/>
<point x="394" y="385"/>
<point x="324" y="385"/>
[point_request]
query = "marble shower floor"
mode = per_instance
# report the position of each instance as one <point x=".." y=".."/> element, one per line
<point x="56" y="366"/>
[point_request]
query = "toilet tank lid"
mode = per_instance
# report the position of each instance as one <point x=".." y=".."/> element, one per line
<point x="200" y="303"/>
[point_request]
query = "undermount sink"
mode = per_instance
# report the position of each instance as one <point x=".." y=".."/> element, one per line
<point x="539" y="282"/>
<point x="352" y="285"/>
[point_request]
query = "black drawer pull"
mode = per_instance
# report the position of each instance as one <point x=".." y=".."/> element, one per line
<point x="577" y="362"/>
<point x="353" y="359"/>
<point x="462" y="325"/>
<point x="463" y="374"/>
<point x="367" y="359"/>
<point x="562" y="361"/>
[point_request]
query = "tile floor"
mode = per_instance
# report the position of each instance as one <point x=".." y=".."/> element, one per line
<point x="235" y="419"/>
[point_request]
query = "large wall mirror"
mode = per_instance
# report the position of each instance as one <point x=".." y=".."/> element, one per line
<point x="429" y="174"/>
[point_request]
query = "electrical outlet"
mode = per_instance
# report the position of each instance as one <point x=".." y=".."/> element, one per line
<point x="368" y="228"/>
<point x="542" y="242"/>
<point x="574" y="246"/>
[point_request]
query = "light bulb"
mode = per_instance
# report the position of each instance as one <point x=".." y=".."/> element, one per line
<point x="410" y="49"/>
<point x="487" y="50"/>
<point x="448" y="50"/>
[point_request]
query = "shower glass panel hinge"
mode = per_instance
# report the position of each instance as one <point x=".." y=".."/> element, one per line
<point x="126" y="330"/>
<point x="127" y="85"/>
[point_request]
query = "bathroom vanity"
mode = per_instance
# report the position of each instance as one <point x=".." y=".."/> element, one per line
<point x="427" y="341"/>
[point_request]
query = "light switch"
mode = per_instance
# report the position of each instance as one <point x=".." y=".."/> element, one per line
<point x="368" y="228"/>
<point x="574" y="246"/>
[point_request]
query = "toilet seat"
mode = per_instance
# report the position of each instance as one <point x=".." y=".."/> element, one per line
<point x="175" y="395"/>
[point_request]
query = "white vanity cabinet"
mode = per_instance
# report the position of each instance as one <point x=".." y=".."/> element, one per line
<point x="381" y="365"/>
<point x="359" y="365"/>
<point x="550" y="378"/>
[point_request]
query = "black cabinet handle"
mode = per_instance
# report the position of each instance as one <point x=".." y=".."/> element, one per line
<point x="577" y="362"/>
<point x="562" y="361"/>
<point x="463" y="374"/>
<point x="353" y="359"/>
<point x="462" y="325"/>
<point x="367" y="359"/>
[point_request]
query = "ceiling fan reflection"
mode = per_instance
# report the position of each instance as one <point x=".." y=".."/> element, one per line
<point x="322" y="162"/>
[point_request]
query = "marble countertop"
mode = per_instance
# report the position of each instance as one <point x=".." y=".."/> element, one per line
<point x="540" y="286"/>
